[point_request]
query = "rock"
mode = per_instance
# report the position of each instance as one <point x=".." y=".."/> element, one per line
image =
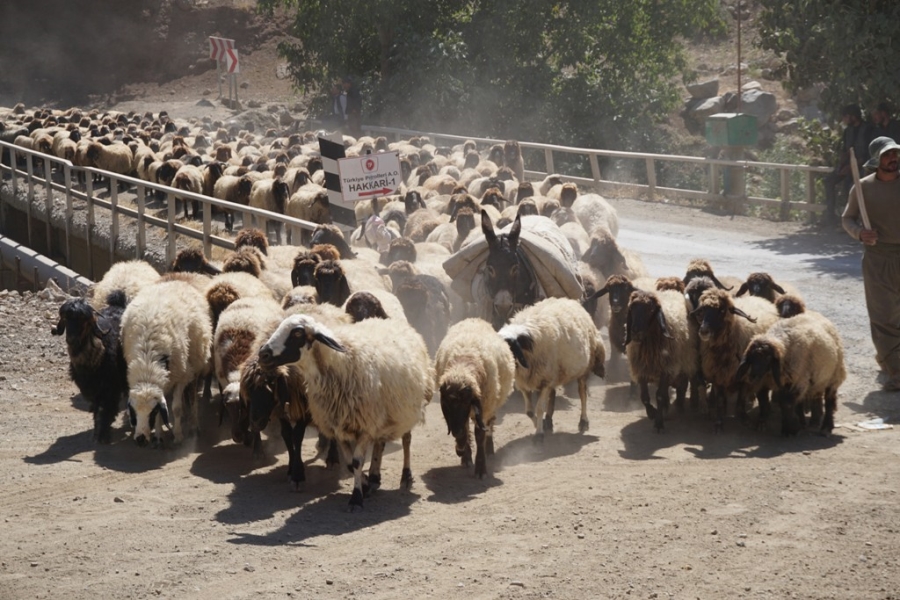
<point x="733" y="68"/>
<point x="710" y="106"/>
<point x="786" y="114"/>
<point x="285" y="119"/>
<point x="760" y="104"/>
<point x="704" y="89"/>
<point x="789" y="126"/>
<point x="244" y="85"/>
<point x="751" y="85"/>
<point x="254" y="104"/>
<point x="273" y="108"/>
<point x="207" y="92"/>
<point x="206" y="103"/>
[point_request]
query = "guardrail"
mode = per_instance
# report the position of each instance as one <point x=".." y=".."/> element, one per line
<point x="715" y="170"/>
<point x="173" y="230"/>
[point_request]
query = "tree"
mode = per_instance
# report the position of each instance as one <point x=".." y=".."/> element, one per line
<point x="578" y="72"/>
<point x="849" y="47"/>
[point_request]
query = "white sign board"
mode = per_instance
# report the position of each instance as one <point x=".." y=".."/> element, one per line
<point x="369" y="176"/>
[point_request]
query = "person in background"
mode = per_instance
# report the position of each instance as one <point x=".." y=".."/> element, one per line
<point x="881" y="256"/>
<point x="883" y="123"/>
<point x="856" y="136"/>
<point x="337" y="117"/>
<point x="354" y="108"/>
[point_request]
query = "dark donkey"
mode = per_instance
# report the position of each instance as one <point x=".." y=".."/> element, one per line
<point x="508" y="274"/>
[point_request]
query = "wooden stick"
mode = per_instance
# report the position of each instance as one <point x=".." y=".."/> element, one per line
<point x="859" y="194"/>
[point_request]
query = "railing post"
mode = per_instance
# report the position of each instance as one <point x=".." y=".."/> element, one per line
<point x="714" y="179"/>
<point x="14" y="165"/>
<point x="48" y="205"/>
<point x="548" y="159"/>
<point x="29" y="164"/>
<point x="113" y="218"/>
<point x="171" y="246"/>
<point x="595" y="168"/>
<point x="207" y="229"/>
<point x="785" y="194"/>
<point x="141" y="241"/>
<point x="89" y="223"/>
<point x="651" y="178"/>
<point x="67" y="179"/>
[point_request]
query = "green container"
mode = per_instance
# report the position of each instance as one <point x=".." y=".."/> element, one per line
<point x="731" y="129"/>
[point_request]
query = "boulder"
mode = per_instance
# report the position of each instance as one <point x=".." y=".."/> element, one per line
<point x="704" y="89"/>
<point x="760" y="104"/>
<point x="710" y="106"/>
<point x="751" y="85"/>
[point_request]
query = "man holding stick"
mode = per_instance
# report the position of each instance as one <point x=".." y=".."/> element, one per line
<point x="872" y="216"/>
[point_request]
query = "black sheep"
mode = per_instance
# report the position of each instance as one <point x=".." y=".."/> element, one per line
<point x="96" y="362"/>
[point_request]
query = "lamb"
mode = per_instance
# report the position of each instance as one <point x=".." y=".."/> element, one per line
<point x="367" y="384"/>
<point x="554" y="342"/>
<point x="96" y="362"/>
<point x="167" y="335"/>
<point x="805" y="358"/>
<point x="475" y="371"/>
<point x="130" y="276"/>
<point x="661" y="348"/>
<point x="723" y="338"/>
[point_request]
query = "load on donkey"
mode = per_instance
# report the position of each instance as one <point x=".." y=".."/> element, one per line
<point x="525" y="262"/>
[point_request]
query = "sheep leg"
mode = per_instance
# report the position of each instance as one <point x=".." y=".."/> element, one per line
<point x="789" y="423"/>
<point x="374" y="481"/>
<point x="830" y="407"/>
<point x="177" y="412"/>
<point x="740" y="406"/>
<point x="279" y="227"/>
<point x="489" y="437"/>
<point x="698" y="393"/>
<point x="548" y="414"/>
<point x="406" y="479"/>
<point x="464" y="445"/>
<point x="529" y="408"/>
<point x="480" y="461"/>
<point x="583" y="422"/>
<point x="328" y="448"/>
<point x="681" y="386"/>
<point x="542" y="400"/>
<point x="292" y="434"/>
<point x="718" y="404"/>
<point x="645" y="398"/>
<point x="815" y="408"/>
<point x="662" y="402"/>
<point x="358" y="454"/>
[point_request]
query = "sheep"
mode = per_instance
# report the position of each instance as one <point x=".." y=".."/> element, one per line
<point x="554" y="342"/>
<point x="453" y="235"/>
<point x="192" y="260"/>
<point x="301" y="294"/>
<point x="367" y="384"/>
<point x="271" y="195"/>
<point x="607" y="257"/>
<point x="251" y="236"/>
<point x="309" y="203"/>
<point x="805" y="358"/>
<point x="223" y="289"/>
<point x="267" y="392"/>
<point x="130" y="276"/>
<point x="661" y="348"/>
<point x="234" y="189"/>
<point x="594" y="211"/>
<point x="789" y="306"/>
<point x="762" y="285"/>
<point x="190" y="179"/>
<point x="723" y="338"/>
<point x="377" y="303"/>
<point x="96" y="362"/>
<point x="331" y="234"/>
<point x="475" y="371"/>
<point x="115" y="158"/>
<point x="670" y="283"/>
<point x="167" y="335"/>
<point x="700" y="267"/>
<point x="512" y="158"/>
<point x="424" y="302"/>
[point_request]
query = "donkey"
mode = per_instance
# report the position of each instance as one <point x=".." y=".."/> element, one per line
<point x="508" y="275"/>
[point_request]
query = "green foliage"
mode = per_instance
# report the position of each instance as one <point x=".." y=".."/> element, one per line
<point x="598" y="73"/>
<point x="848" y="46"/>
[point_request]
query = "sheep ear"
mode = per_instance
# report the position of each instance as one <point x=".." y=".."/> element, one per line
<point x="479" y="417"/>
<point x="421" y="201"/>
<point x="661" y="318"/>
<point x="735" y="310"/>
<point x="514" y="233"/>
<point x="60" y="327"/>
<point x="516" y="350"/>
<point x="164" y="413"/>
<point x="329" y="341"/>
<point x="777" y="288"/>
<point x="101" y="326"/>
<point x="487" y="228"/>
<point x="601" y="292"/>
<point x="742" y="290"/>
<point x="210" y="269"/>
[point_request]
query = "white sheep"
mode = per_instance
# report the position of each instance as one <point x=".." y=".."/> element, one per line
<point x="166" y="336"/>
<point x="271" y="195"/>
<point x="593" y="211"/>
<point x="367" y="383"/>
<point x="475" y="371"/>
<point x="554" y="342"/>
<point x="804" y="357"/>
<point x="129" y="276"/>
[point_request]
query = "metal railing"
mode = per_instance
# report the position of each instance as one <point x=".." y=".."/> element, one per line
<point x="715" y="169"/>
<point x="174" y="231"/>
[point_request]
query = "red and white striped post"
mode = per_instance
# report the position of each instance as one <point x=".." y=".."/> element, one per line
<point x="218" y="48"/>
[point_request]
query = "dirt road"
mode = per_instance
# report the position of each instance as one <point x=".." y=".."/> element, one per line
<point x="619" y="512"/>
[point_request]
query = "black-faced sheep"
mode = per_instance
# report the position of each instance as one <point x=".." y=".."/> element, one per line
<point x="271" y="195"/>
<point x="309" y="203"/>
<point x="554" y="342"/>
<point x="424" y="302"/>
<point x="804" y="357"/>
<point x="331" y="282"/>
<point x="167" y="336"/>
<point x="700" y="267"/>
<point x="475" y="371"/>
<point x="192" y="260"/>
<point x="96" y="362"/>
<point x="762" y="285"/>
<point x="662" y="348"/>
<point x="723" y="339"/>
<point x="367" y="384"/>
<point x="789" y="306"/>
<point x="234" y="189"/>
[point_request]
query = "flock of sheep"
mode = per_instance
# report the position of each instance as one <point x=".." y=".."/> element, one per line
<point x="355" y="334"/>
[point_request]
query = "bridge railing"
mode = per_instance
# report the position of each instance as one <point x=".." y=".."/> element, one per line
<point x="31" y="171"/>
<point x="734" y="189"/>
